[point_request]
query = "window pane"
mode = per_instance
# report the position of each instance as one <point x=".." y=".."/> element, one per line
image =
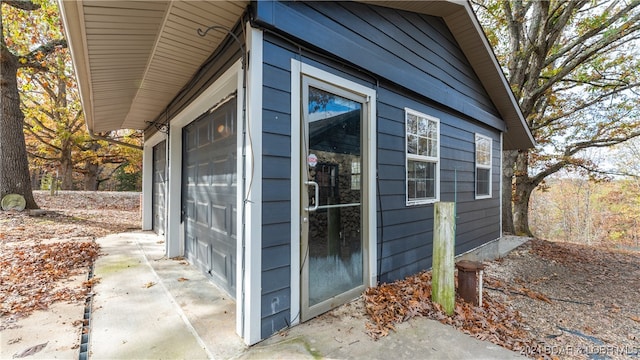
<point x="412" y="124"/>
<point x="421" y="180"/>
<point x="421" y="189"/>
<point x="423" y="146"/>
<point x="423" y="127"/>
<point x="483" y="151"/>
<point x="482" y="181"/>
<point x="412" y="144"/>
<point x="433" y="148"/>
<point x="433" y="139"/>
<point x="433" y="130"/>
<point x="430" y="192"/>
<point x="411" y="189"/>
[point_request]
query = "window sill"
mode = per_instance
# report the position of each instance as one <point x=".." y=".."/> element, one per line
<point x="480" y="197"/>
<point x="421" y="202"/>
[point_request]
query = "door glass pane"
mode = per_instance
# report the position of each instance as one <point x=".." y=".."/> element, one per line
<point x="334" y="164"/>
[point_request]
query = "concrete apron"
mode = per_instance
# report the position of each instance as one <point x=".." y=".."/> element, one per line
<point x="149" y="307"/>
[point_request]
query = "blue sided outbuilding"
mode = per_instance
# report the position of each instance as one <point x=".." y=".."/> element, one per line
<point x="294" y="150"/>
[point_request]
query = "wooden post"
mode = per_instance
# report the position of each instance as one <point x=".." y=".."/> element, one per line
<point x="443" y="289"/>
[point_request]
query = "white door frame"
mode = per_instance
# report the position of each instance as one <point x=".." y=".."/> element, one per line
<point x="298" y="69"/>
<point x="147" y="179"/>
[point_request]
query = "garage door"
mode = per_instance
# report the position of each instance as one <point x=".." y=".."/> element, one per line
<point x="159" y="177"/>
<point x="209" y="193"/>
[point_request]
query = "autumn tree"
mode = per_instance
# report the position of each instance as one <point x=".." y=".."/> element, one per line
<point x="100" y="160"/>
<point x="574" y="67"/>
<point x="56" y="135"/>
<point x="54" y="124"/>
<point x="26" y="42"/>
<point x="583" y="211"/>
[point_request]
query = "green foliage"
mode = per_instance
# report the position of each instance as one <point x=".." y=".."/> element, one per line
<point x="128" y="180"/>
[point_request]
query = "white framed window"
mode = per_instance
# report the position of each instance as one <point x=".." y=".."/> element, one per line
<point x="423" y="157"/>
<point x="483" y="166"/>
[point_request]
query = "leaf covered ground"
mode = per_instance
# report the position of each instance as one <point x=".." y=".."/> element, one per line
<point x="495" y="321"/>
<point x="545" y="300"/>
<point x="40" y="255"/>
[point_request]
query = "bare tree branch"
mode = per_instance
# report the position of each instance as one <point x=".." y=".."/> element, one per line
<point x="27" y="5"/>
<point x="41" y="139"/>
<point x="548" y="121"/>
<point x="30" y="59"/>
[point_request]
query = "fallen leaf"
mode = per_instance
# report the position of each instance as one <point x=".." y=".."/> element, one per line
<point x="181" y="279"/>
<point x="30" y="351"/>
<point x="149" y="284"/>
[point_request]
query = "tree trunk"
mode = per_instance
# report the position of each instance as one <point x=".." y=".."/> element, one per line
<point x="14" y="165"/>
<point x="508" y="163"/>
<point x="66" y="169"/>
<point x="521" y="210"/>
<point x="36" y="178"/>
<point x="91" y="182"/>
<point x="523" y="189"/>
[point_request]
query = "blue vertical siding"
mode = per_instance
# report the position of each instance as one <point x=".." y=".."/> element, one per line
<point x="412" y="61"/>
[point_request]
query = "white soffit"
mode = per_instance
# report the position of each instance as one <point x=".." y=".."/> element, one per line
<point x="133" y="57"/>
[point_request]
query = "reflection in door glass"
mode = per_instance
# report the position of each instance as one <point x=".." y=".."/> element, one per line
<point x="334" y="235"/>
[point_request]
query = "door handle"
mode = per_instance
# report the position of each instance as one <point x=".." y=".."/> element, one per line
<point x="316" y="198"/>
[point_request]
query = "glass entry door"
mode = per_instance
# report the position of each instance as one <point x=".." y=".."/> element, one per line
<point x="333" y="255"/>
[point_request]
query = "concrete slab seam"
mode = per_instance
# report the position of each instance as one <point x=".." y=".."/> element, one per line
<point x="175" y="304"/>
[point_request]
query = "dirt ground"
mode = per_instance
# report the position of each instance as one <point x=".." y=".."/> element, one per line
<point x="577" y="302"/>
<point x="563" y="300"/>
<point x="44" y="263"/>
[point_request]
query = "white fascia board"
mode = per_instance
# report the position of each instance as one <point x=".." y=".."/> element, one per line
<point x="72" y="14"/>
